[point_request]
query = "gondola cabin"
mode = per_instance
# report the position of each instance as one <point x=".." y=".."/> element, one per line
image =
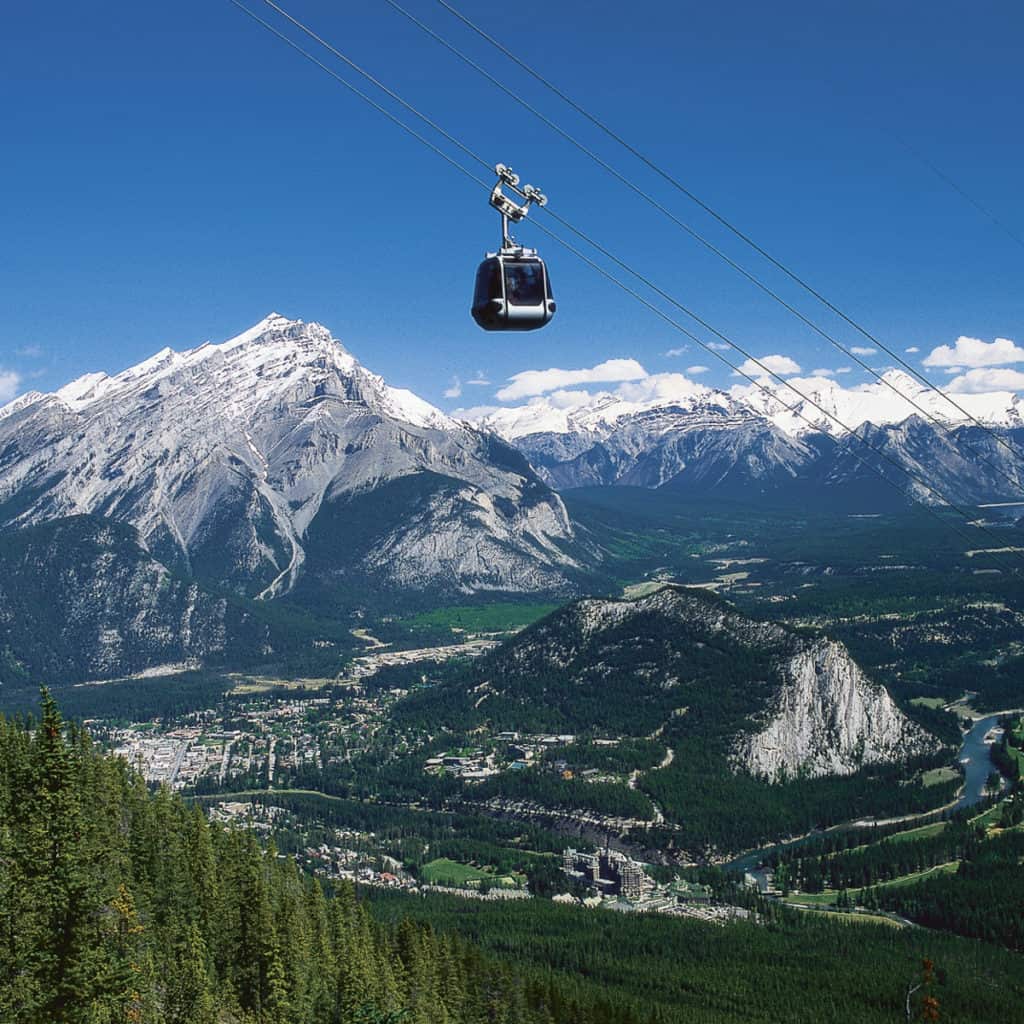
<point x="512" y="292"/>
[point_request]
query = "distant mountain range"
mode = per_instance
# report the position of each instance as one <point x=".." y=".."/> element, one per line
<point x="753" y="443"/>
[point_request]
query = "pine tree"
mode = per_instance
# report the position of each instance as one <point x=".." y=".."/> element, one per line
<point x="322" y="954"/>
<point x="188" y="997"/>
<point x="278" y="1006"/>
<point x="64" y="957"/>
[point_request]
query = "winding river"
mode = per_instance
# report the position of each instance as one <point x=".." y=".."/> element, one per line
<point x="973" y="757"/>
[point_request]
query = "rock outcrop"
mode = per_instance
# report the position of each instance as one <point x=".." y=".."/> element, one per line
<point x="828" y="718"/>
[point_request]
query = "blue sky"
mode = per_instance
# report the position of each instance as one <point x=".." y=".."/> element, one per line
<point x="171" y="173"/>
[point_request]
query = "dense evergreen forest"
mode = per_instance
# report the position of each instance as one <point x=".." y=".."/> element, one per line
<point x="166" y="698"/>
<point x="970" y="881"/>
<point x="984" y="899"/>
<point x="792" y="967"/>
<point x="50" y="631"/>
<point x="406" y="834"/>
<point x="880" y="862"/>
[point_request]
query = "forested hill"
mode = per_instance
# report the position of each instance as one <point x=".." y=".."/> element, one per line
<point x="121" y="906"/>
<point x="764" y="732"/>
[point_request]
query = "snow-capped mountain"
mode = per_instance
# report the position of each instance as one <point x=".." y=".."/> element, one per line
<point x="758" y="440"/>
<point x="275" y="458"/>
<point x="893" y="399"/>
<point x="581" y="413"/>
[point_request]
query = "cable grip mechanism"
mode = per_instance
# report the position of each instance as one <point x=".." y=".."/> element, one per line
<point x="510" y="210"/>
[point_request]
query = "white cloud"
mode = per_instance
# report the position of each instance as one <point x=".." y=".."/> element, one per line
<point x="782" y="365"/>
<point x="564" y="398"/>
<point x="475" y="412"/>
<point x="974" y="352"/>
<point x="861" y="350"/>
<point x="538" y="382"/>
<point x="845" y="369"/>
<point x="694" y="371"/>
<point x="673" y="352"/>
<point x="979" y="381"/>
<point x="823" y="373"/>
<point x="951" y="370"/>
<point x="454" y="389"/>
<point x="912" y="349"/>
<point x="659" y="386"/>
<point x="719" y="346"/>
<point x="10" y="382"/>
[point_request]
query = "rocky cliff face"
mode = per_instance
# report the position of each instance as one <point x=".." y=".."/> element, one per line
<point x="234" y="461"/>
<point x="828" y="718"/>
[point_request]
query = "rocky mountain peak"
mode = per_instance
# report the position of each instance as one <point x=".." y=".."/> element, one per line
<point x="295" y="336"/>
<point x="223" y="457"/>
<point x="904" y="382"/>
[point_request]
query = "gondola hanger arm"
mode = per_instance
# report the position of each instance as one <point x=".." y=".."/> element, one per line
<point x="510" y="210"/>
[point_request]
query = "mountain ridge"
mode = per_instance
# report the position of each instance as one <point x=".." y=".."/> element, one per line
<point x="744" y="443"/>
